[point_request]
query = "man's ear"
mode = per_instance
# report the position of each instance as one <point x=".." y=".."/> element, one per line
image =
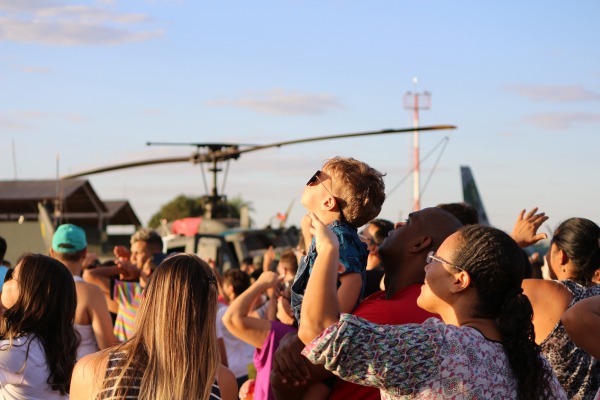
<point x="419" y="244"/>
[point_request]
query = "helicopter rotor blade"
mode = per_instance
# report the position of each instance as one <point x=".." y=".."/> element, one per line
<point x="234" y="153"/>
<point x="217" y="154"/>
<point x="129" y="165"/>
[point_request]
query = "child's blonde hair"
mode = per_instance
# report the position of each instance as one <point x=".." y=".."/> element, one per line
<point x="359" y="189"/>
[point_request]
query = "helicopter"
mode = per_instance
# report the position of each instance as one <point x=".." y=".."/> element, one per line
<point x="219" y="236"/>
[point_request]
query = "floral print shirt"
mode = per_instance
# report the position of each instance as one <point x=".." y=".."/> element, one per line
<point x="432" y="360"/>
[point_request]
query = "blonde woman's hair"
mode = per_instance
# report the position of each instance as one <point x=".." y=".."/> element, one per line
<point x="174" y="348"/>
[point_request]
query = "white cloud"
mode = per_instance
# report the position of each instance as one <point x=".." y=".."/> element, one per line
<point x="280" y="102"/>
<point x="19" y="120"/>
<point x="560" y="121"/>
<point x="35" y="70"/>
<point x="66" y="24"/>
<point x="554" y="93"/>
<point x="12" y="125"/>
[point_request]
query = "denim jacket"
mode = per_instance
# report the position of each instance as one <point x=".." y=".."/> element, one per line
<point x="353" y="256"/>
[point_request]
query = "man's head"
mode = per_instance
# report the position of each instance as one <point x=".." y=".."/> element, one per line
<point x="69" y="243"/>
<point x="466" y="213"/>
<point x="288" y="264"/>
<point x="144" y="244"/>
<point x="375" y="233"/>
<point x="404" y="251"/>
<point x="235" y="282"/>
<point x="347" y="186"/>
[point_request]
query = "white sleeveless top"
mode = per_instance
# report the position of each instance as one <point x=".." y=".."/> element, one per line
<point x="88" y="344"/>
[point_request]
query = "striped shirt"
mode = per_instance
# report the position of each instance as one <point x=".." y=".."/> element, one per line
<point x="115" y="359"/>
<point x="129" y="296"/>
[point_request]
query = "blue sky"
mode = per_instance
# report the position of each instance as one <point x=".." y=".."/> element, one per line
<point x="92" y="82"/>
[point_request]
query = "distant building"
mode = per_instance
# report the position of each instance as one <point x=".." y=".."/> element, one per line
<point x="30" y="210"/>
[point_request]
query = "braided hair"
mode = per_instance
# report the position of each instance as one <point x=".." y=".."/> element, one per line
<point x="496" y="266"/>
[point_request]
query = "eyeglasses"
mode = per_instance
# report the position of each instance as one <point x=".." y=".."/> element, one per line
<point x="431" y="257"/>
<point x="315" y="178"/>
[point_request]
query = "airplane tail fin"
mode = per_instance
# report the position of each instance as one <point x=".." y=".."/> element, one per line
<point x="471" y="194"/>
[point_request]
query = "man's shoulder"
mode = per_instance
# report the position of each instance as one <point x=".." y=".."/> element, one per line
<point x="89" y="291"/>
<point x="401" y="308"/>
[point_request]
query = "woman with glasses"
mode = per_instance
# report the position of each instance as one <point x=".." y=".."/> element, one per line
<point x="173" y="353"/>
<point x="483" y="347"/>
<point x="573" y="258"/>
<point x="38" y="343"/>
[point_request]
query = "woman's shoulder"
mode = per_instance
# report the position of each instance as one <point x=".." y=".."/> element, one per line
<point x="88" y="371"/>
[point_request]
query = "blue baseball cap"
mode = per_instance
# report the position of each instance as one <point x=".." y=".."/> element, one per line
<point x="69" y="238"/>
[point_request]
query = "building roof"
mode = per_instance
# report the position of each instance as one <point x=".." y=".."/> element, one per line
<point x="120" y="212"/>
<point x="78" y="201"/>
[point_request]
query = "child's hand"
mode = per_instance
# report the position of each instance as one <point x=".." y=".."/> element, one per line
<point x="324" y="237"/>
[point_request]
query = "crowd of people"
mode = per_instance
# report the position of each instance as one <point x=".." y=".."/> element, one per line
<point x="433" y="307"/>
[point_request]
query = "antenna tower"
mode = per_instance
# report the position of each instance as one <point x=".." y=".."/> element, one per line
<point x="414" y="102"/>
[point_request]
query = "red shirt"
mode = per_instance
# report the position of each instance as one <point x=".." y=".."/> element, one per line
<point x="400" y="309"/>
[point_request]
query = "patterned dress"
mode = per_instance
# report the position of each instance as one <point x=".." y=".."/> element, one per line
<point x="427" y="361"/>
<point x="576" y="370"/>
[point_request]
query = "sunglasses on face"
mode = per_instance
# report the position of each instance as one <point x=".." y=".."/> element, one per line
<point x="315" y="178"/>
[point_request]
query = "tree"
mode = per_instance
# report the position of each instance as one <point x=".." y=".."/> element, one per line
<point x="180" y="207"/>
<point x="184" y="207"/>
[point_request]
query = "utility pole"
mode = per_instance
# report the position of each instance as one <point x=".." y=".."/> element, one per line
<point x="416" y="101"/>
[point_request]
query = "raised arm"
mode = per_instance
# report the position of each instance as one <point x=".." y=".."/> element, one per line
<point x="100" y="277"/>
<point x="101" y="321"/>
<point x="250" y="329"/>
<point x="582" y="322"/>
<point x="525" y="230"/>
<point x="320" y="306"/>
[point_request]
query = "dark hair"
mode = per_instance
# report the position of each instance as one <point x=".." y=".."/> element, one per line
<point x="45" y="309"/>
<point x="579" y="238"/>
<point x="238" y="279"/>
<point x="290" y="259"/>
<point x="383" y="228"/>
<point x="528" y="266"/>
<point x="2" y="248"/>
<point x="466" y="213"/>
<point x="256" y="274"/>
<point x="496" y="266"/>
<point x="72" y="256"/>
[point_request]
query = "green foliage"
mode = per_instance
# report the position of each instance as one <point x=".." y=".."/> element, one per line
<point x="184" y="207"/>
<point x="237" y="203"/>
<point x="180" y="207"/>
